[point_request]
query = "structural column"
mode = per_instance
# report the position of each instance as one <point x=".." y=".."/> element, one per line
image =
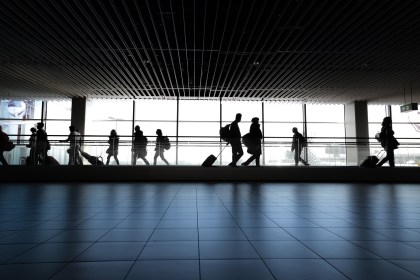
<point x="78" y="113"/>
<point x="357" y="132"/>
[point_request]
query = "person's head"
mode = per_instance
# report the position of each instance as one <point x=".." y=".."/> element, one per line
<point x="113" y="132"/>
<point x="40" y="125"/>
<point x="238" y="117"/>
<point x="294" y="130"/>
<point x="387" y="121"/>
<point x="255" y="120"/>
<point x="72" y="128"/>
<point x="159" y="132"/>
<point x="33" y="129"/>
<point x="137" y="128"/>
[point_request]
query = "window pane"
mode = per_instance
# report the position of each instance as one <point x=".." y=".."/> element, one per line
<point x="376" y="113"/>
<point x="59" y="110"/>
<point x="20" y="109"/>
<point x="325" y="113"/>
<point x="162" y="110"/>
<point x="322" y="130"/>
<point x="283" y="112"/>
<point x="198" y="110"/>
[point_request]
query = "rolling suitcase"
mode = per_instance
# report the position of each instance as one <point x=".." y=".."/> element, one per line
<point x="209" y="161"/>
<point x="211" y="158"/>
<point x="370" y="161"/>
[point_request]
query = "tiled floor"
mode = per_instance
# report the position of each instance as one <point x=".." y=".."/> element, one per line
<point x="209" y="231"/>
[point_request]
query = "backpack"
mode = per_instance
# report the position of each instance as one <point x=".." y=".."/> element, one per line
<point x="225" y="133"/>
<point x="249" y="143"/>
<point x="303" y="141"/>
<point x="143" y="141"/>
<point x="165" y="143"/>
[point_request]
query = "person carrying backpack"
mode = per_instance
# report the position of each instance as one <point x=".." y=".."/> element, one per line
<point x="255" y="136"/>
<point x="113" y="142"/>
<point x="74" y="139"/>
<point x="4" y="139"/>
<point x="235" y="140"/>
<point x="42" y="144"/>
<point x="298" y="143"/>
<point x="139" y="146"/>
<point x="388" y="142"/>
<point x="161" y="143"/>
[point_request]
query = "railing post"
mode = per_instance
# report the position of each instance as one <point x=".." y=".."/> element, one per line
<point x="305" y="131"/>
<point x="177" y="129"/>
<point x="263" y="130"/>
<point x="220" y="126"/>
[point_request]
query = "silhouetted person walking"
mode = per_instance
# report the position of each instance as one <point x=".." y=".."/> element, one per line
<point x="74" y="139"/>
<point x="297" y="146"/>
<point x="235" y="140"/>
<point x="255" y="137"/>
<point x="159" y="147"/>
<point x="42" y="144"/>
<point x="113" y="147"/>
<point x="32" y="147"/>
<point x="388" y="142"/>
<point x="139" y="146"/>
<point x="4" y="140"/>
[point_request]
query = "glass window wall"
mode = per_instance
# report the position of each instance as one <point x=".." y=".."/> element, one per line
<point x="199" y="124"/>
<point x="279" y="119"/>
<point x="16" y="119"/>
<point x="326" y="134"/>
<point x="101" y="117"/>
<point x="151" y="115"/>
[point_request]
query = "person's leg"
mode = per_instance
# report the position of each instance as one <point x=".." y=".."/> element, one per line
<point x="2" y="159"/>
<point x="155" y="157"/>
<point x="296" y="157"/>
<point x="134" y="158"/>
<point x="248" y="161"/>
<point x="257" y="160"/>
<point x="43" y="158"/>
<point x="71" y="157"/>
<point x="107" y="159"/>
<point x="79" y="160"/>
<point x="301" y="159"/>
<point x="240" y="152"/>
<point x="391" y="158"/>
<point x="234" y="153"/>
<point x="145" y="160"/>
<point x="116" y="159"/>
<point x="163" y="157"/>
<point x="237" y="152"/>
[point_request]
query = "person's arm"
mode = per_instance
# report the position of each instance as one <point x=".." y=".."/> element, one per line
<point x="293" y="143"/>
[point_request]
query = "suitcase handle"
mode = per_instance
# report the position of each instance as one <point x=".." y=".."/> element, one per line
<point x="222" y="150"/>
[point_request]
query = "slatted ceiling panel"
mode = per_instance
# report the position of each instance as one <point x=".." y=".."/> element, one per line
<point x="295" y="50"/>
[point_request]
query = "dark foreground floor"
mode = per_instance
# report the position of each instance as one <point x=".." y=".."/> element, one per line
<point x="209" y="231"/>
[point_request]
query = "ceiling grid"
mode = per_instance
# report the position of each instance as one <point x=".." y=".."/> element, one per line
<point x="326" y="51"/>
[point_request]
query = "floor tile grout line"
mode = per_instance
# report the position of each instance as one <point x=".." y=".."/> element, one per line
<point x="296" y="240"/>
<point x="75" y="257"/>
<point x="145" y="244"/>
<point x="92" y="243"/>
<point x="198" y="234"/>
<point x="261" y="259"/>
